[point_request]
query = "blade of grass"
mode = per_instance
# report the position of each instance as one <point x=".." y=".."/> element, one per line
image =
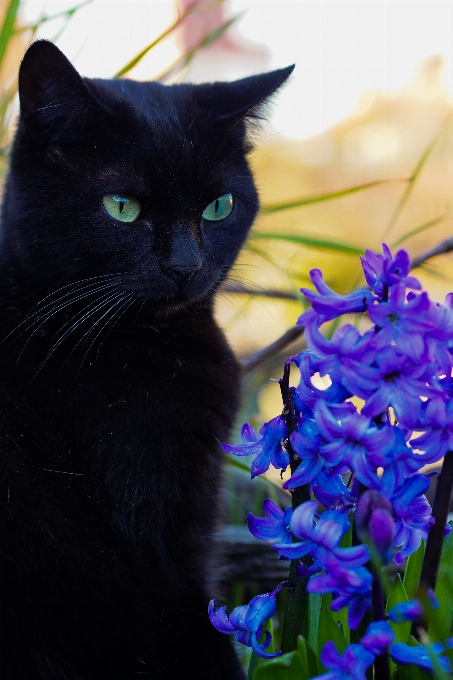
<point x="412" y="180"/>
<point x="67" y="13"/>
<point x="234" y="462"/>
<point x="265" y="256"/>
<point x="138" y="57"/>
<point x="185" y="60"/>
<point x="309" y="200"/>
<point x="418" y="230"/>
<point x="6" y="30"/>
<point x="311" y="241"/>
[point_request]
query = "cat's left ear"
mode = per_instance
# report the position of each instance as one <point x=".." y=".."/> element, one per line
<point x="246" y="98"/>
<point x="53" y="96"/>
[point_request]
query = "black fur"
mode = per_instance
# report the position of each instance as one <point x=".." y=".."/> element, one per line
<point x="116" y="385"/>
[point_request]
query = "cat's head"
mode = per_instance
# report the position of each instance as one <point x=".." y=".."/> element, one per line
<point x="145" y="182"/>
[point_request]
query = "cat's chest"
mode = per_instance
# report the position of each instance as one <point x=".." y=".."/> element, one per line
<point x="143" y="392"/>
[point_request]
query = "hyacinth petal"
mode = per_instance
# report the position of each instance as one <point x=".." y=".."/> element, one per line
<point x="356" y="611"/>
<point x="272" y="509"/>
<point x="260" y="609"/>
<point x="294" y="551"/>
<point x="302" y="520"/>
<point x="260" y="648"/>
<point x="378" y="637"/>
<point x="404" y="654"/>
<point x="268" y="529"/>
<point x="219" y="619"/>
<point x="353" y="557"/>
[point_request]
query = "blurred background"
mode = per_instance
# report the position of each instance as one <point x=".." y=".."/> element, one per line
<point x="358" y="150"/>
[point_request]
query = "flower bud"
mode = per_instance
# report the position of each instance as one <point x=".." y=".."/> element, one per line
<point x="374" y="522"/>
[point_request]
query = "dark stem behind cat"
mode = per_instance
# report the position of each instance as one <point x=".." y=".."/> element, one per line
<point x="116" y="385"/>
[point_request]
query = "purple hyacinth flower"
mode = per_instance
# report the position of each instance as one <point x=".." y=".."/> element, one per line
<point x="403" y="322"/>
<point x="352" y="589"/>
<point x="320" y="540"/>
<point x="413" y="610"/>
<point x="354" y="444"/>
<point x="351" y="665"/>
<point x="374" y="521"/>
<point x="307" y="393"/>
<point x="384" y="271"/>
<point x="267" y="448"/>
<point x="347" y="351"/>
<point x="274" y="527"/>
<point x="332" y="492"/>
<point x="247" y="621"/>
<point x="378" y="637"/>
<point x="306" y="442"/>
<point x="412" y="514"/>
<point x="404" y="654"/>
<point x="327" y="304"/>
<point x="397" y="383"/>
<point x="437" y="421"/>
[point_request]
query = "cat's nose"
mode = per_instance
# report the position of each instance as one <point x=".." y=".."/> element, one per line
<point x="182" y="273"/>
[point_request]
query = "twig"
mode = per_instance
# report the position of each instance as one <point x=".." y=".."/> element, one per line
<point x="441" y="248"/>
<point x="253" y="360"/>
<point x="296" y="610"/>
<point x="435" y="540"/>
<point x="263" y="292"/>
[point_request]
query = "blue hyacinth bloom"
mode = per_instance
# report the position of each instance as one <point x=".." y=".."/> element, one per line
<point x="321" y="539"/>
<point x="326" y="304"/>
<point x="246" y="621"/>
<point x="267" y="447"/>
<point x="351" y="665"/>
<point x="413" y="610"/>
<point x="404" y="654"/>
<point x="383" y="271"/>
<point x="351" y="588"/>
<point x="274" y="527"/>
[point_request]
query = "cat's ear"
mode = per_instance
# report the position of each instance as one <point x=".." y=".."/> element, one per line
<point x="53" y="96"/>
<point x="246" y="98"/>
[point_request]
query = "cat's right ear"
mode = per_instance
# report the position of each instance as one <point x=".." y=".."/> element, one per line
<point x="53" y="96"/>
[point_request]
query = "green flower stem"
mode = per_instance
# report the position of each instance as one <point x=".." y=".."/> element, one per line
<point x="296" y="611"/>
<point x="441" y="503"/>
<point x="382" y="662"/>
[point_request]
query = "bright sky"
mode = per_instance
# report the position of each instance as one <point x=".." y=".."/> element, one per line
<point x="341" y="48"/>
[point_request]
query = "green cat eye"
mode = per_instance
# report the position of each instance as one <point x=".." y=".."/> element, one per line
<point x="219" y="209"/>
<point x="122" y="207"/>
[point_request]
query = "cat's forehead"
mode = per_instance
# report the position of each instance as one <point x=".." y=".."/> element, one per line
<point x="163" y="108"/>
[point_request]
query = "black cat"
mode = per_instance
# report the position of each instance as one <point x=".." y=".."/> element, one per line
<point x="125" y="205"/>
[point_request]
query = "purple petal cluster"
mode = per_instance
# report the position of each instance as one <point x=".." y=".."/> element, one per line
<point x="246" y="621"/>
<point x="360" y="444"/>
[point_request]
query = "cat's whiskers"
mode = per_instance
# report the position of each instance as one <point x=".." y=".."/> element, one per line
<point x="38" y="308"/>
<point x="124" y="307"/>
<point x="40" y="320"/>
<point x="74" y="326"/>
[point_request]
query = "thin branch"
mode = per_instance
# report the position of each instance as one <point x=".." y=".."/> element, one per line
<point x="441" y="248"/>
<point x="263" y="292"/>
<point x="253" y="360"/>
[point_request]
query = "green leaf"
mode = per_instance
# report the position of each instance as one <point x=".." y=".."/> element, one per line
<point x="402" y="631"/>
<point x="314" y="606"/>
<point x="8" y="26"/>
<point x="412" y="180"/>
<point x="310" y="241"/>
<point x="138" y="57"/>
<point x="328" y="630"/>
<point x="443" y="617"/>
<point x="413" y="570"/>
<point x="309" y="200"/>
<point x="417" y="230"/>
<point x="302" y="650"/>
<point x="286" y="667"/>
<point x="184" y="61"/>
